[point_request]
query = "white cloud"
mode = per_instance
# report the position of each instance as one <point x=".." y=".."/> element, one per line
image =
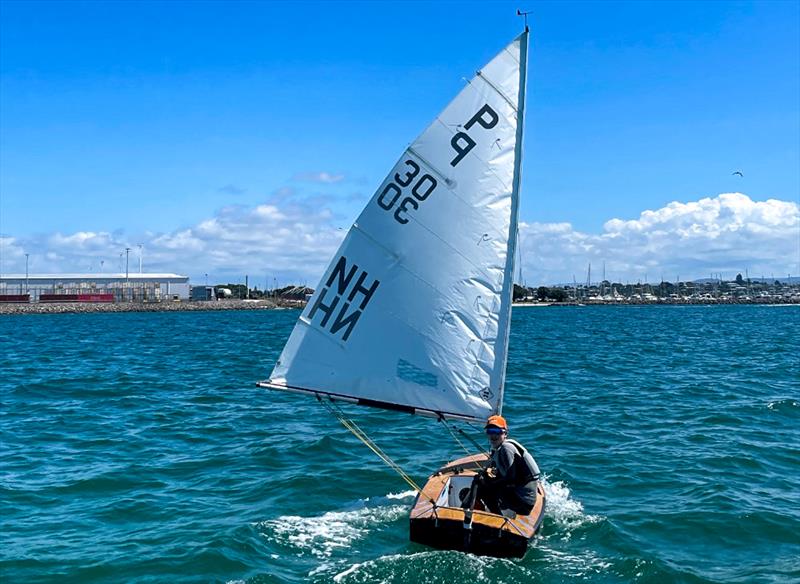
<point x="319" y="177"/>
<point x="726" y="234"/>
<point x="292" y="238"/>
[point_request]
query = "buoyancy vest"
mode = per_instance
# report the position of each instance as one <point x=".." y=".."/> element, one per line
<point x="531" y="469"/>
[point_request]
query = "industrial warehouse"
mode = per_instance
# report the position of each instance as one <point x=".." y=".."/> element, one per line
<point x="94" y="287"/>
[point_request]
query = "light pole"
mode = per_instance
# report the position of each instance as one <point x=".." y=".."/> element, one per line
<point x="127" y="251"/>
<point x="26" y="273"/>
<point x="140" y="258"/>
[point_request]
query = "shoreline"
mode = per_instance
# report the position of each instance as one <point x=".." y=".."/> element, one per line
<point x="199" y="306"/>
<point x="776" y="302"/>
<point x="96" y="307"/>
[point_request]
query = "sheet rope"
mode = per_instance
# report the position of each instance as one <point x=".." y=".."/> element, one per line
<point x="454" y="432"/>
<point x="369" y="442"/>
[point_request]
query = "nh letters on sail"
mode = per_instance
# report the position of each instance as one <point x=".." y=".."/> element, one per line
<point x="413" y="312"/>
<point x="343" y="309"/>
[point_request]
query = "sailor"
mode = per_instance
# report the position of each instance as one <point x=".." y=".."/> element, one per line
<point x="508" y="485"/>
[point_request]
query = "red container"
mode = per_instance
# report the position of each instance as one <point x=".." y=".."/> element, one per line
<point x="7" y="298"/>
<point x="95" y="298"/>
<point x="58" y="297"/>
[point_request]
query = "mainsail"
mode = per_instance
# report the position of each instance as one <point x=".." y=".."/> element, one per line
<point x="413" y="312"/>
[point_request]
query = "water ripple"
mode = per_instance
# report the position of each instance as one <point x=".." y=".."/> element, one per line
<point x="135" y="447"/>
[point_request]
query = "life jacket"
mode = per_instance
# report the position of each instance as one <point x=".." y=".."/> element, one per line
<point x="530" y="472"/>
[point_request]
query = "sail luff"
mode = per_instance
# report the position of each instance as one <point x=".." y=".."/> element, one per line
<point x="502" y="353"/>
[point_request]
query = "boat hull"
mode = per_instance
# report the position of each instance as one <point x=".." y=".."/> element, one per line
<point x="438" y="521"/>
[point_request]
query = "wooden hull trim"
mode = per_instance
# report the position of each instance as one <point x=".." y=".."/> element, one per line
<point x="438" y="521"/>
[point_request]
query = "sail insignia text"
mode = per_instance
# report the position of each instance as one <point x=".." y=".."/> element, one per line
<point x="344" y="317"/>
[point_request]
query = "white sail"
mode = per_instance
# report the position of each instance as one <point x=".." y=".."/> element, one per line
<point x="414" y="310"/>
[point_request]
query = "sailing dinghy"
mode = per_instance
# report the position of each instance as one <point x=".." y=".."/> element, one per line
<point x="413" y="312"/>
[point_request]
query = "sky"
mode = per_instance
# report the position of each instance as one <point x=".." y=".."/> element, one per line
<point x="243" y="138"/>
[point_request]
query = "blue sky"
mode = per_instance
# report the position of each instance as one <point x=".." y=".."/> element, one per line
<point x="171" y="124"/>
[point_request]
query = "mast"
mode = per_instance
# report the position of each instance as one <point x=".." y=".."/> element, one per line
<point x="513" y="229"/>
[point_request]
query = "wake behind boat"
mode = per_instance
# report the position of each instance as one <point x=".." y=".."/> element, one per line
<point x="413" y="312"/>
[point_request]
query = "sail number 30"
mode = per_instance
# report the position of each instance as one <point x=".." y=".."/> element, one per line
<point x="423" y="187"/>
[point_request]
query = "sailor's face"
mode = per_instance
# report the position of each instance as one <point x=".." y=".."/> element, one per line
<point x="495" y="438"/>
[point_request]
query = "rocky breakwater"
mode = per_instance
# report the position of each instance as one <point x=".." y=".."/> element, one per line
<point x="95" y="307"/>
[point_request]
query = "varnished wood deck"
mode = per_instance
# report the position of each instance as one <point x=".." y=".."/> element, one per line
<point x="440" y="524"/>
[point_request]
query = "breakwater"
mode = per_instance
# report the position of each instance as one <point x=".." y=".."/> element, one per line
<point x="667" y="302"/>
<point x="91" y="307"/>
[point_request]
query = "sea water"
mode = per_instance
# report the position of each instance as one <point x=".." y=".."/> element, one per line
<point x="137" y="448"/>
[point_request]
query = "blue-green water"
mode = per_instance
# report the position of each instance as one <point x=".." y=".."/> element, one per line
<point x="135" y="447"/>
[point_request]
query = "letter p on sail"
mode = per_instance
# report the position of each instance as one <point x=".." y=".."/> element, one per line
<point x="462" y="142"/>
<point x="488" y="123"/>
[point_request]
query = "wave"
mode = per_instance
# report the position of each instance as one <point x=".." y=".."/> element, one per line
<point x="564" y="511"/>
<point x="435" y="566"/>
<point x="785" y="406"/>
<point x="323" y="535"/>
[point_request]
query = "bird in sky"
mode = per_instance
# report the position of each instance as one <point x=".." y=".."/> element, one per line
<point x="739" y="172"/>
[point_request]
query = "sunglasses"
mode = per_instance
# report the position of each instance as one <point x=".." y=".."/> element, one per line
<point x="494" y="431"/>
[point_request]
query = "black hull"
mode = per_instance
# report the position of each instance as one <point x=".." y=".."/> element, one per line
<point x="480" y="540"/>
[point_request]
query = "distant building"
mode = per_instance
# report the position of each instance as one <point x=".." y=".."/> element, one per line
<point x="294" y="293"/>
<point x="203" y="293"/>
<point x="133" y="287"/>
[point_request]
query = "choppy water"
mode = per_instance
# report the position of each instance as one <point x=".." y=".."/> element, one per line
<point x="135" y="447"/>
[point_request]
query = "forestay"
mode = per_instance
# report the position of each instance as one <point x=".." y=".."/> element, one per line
<point x="414" y="310"/>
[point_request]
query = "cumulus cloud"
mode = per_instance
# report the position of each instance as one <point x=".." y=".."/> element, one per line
<point x="291" y="237"/>
<point x="291" y="240"/>
<point x="11" y="252"/>
<point x="319" y="177"/>
<point x="726" y="234"/>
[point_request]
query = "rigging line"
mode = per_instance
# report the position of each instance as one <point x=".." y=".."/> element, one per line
<point x="347" y="424"/>
<point x="481" y="76"/>
<point x="385" y="457"/>
<point x="474" y="442"/>
<point x="453" y="430"/>
<point x="361" y="435"/>
<point x="472" y="426"/>
<point x="358" y="433"/>
<point x="453" y="434"/>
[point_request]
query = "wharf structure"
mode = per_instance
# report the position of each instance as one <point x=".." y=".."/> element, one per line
<point x="93" y="287"/>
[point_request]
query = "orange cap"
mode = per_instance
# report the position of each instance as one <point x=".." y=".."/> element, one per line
<point x="497" y="421"/>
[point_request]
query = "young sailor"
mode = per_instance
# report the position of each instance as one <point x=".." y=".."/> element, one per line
<point x="508" y="485"/>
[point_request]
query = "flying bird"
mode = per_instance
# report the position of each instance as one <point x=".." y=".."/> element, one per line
<point x="739" y="172"/>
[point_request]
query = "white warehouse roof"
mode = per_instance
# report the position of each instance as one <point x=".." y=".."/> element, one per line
<point x="93" y="277"/>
